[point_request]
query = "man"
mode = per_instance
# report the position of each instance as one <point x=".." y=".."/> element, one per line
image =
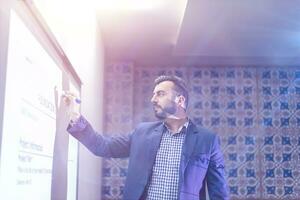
<point x="168" y="160"/>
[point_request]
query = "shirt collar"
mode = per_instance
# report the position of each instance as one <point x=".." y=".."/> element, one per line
<point x="183" y="127"/>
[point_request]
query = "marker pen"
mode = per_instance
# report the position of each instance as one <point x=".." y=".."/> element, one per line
<point x="63" y="93"/>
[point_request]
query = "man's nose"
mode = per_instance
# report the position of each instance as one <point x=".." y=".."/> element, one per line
<point x="153" y="99"/>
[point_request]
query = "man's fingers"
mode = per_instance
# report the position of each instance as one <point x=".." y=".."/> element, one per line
<point x="66" y="100"/>
<point x="68" y="97"/>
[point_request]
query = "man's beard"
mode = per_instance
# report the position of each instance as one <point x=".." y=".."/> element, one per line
<point x="162" y="113"/>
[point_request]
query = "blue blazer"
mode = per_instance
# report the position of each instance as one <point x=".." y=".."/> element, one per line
<point x="201" y="160"/>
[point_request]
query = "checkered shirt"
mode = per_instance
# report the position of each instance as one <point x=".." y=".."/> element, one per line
<point x="164" y="181"/>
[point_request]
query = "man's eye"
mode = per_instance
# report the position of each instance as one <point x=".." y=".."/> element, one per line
<point x="160" y="94"/>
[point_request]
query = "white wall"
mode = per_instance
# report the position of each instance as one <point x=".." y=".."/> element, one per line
<point x="87" y="58"/>
<point x="4" y="26"/>
<point x="75" y="26"/>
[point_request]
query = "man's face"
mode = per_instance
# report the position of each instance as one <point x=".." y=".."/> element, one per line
<point x="163" y="100"/>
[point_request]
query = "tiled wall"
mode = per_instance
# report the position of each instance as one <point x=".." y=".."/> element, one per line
<point x="254" y="110"/>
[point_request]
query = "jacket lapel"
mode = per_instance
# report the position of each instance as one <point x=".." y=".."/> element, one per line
<point x="153" y="144"/>
<point x="187" y="150"/>
<point x="189" y="145"/>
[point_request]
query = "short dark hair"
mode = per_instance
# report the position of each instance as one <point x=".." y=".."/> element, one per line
<point x="180" y="85"/>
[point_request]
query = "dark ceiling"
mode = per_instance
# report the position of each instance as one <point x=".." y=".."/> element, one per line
<point x="231" y="31"/>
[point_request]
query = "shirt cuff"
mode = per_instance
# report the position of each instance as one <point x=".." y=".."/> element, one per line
<point x="77" y="125"/>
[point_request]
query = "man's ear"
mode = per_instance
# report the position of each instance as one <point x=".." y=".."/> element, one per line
<point x="180" y="99"/>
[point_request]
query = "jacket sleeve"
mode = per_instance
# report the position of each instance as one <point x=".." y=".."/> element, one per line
<point x="110" y="147"/>
<point x="216" y="182"/>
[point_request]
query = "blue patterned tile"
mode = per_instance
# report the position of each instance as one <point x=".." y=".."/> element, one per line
<point x="178" y="73"/>
<point x="286" y="157"/>
<point x="285" y="140"/>
<point x="162" y="72"/>
<point x="268" y="140"/>
<point x="250" y="173"/>
<point x="197" y="74"/>
<point x="233" y="102"/>
<point x="283" y="75"/>
<point x="248" y="122"/>
<point x="232" y="172"/>
<point x="106" y="190"/>
<point x="297" y="90"/>
<point x="288" y="190"/>
<point x="230" y="74"/>
<point x="249" y="140"/>
<point x="231" y="121"/>
<point x="271" y="189"/>
<point x="283" y="90"/>
<point x="287" y="173"/>
<point x="270" y="173"/>
<point x="298" y="106"/>
<point x="284" y="122"/>
<point x="232" y="156"/>
<point x="248" y="105"/>
<point x="105" y="172"/>
<point x="284" y="106"/>
<point x="197" y="89"/>
<point x="198" y="120"/>
<point x="266" y="91"/>
<point x="268" y="121"/>
<point x="198" y="105"/>
<point x="214" y="74"/>
<point x="231" y="140"/>
<point x="234" y="190"/>
<point x="215" y="90"/>
<point x="231" y="105"/>
<point x="215" y="105"/>
<point x="215" y="121"/>
<point x="266" y="75"/>
<point x="247" y="74"/>
<point x="230" y="90"/>
<point x="123" y="172"/>
<point x="269" y="157"/>
<point x="297" y="74"/>
<point x="248" y="90"/>
<point x="267" y="105"/>
<point x="249" y="157"/>
<point x="251" y="190"/>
